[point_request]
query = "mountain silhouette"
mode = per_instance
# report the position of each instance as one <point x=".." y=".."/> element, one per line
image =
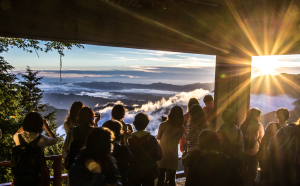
<point x="154" y="86"/>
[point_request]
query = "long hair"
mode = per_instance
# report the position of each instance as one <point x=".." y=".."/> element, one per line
<point x="98" y="148"/>
<point x="192" y="101"/>
<point x="252" y="115"/>
<point x="197" y="116"/>
<point x="176" y="116"/>
<point x="74" y="111"/>
<point x="86" y="116"/>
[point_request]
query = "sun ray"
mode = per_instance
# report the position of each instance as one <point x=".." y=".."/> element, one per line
<point x="250" y="36"/>
<point x="275" y="80"/>
<point x="285" y="25"/>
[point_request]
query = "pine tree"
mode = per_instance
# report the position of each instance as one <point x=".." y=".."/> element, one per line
<point x="11" y="102"/>
<point x="32" y="94"/>
<point x="10" y="114"/>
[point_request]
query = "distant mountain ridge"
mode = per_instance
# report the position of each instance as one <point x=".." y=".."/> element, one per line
<point x="156" y="86"/>
<point x="277" y="85"/>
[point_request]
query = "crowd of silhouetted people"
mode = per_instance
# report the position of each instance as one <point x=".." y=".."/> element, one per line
<point x="117" y="153"/>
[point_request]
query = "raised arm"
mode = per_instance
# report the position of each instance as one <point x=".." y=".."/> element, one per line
<point x="46" y="127"/>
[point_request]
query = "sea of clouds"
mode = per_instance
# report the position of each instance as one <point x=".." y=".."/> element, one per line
<point x="156" y="110"/>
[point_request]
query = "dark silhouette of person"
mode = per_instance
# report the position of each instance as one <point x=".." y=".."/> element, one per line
<point x="95" y="165"/>
<point x="121" y="153"/>
<point x="213" y="168"/>
<point x="118" y="113"/>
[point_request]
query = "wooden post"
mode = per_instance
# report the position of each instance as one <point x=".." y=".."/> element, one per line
<point x="232" y="86"/>
<point x="57" y="166"/>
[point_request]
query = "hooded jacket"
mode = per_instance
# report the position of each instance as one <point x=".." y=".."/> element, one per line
<point x="146" y="152"/>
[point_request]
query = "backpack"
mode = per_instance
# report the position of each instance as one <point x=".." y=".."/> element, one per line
<point x="76" y="145"/>
<point x="27" y="161"/>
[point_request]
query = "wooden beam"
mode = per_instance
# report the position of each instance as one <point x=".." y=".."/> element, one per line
<point x="232" y="86"/>
<point x="102" y="23"/>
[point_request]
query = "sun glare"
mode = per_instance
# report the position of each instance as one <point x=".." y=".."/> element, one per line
<point x="266" y="65"/>
<point x="266" y="68"/>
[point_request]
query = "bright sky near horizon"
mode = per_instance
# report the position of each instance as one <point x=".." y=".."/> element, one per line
<point x="102" y="63"/>
<point x="103" y="57"/>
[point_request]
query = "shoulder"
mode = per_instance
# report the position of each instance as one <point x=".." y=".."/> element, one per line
<point x="16" y="138"/>
<point x="186" y="116"/>
<point x="259" y="125"/>
<point x="272" y="126"/>
<point x="243" y="126"/>
<point x="152" y="138"/>
<point x="163" y="124"/>
<point x="221" y="128"/>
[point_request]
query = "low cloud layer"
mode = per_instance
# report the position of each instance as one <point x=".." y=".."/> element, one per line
<point x="158" y="109"/>
<point x="268" y="103"/>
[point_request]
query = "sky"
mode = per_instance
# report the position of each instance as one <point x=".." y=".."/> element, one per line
<point x="101" y="63"/>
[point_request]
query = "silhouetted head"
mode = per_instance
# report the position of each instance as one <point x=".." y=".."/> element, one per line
<point x="229" y="116"/>
<point x="207" y="99"/>
<point x="118" y="112"/>
<point x="197" y="115"/>
<point x="86" y="116"/>
<point x="98" y="147"/>
<point x="192" y="101"/>
<point x="253" y="115"/>
<point x="141" y="121"/>
<point x="33" y="122"/>
<point x="74" y="111"/>
<point x="99" y="140"/>
<point x="175" y="116"/>
<point x="209" y="140"/>
<point x="282" y="114"/>
<point x="116" y="127"/>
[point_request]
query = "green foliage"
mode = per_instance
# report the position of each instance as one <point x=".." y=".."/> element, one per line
<point x="30" y="45"/>
<point x="12" y="103"/>
<point x="57" y="148"/>
<point x="10" y="100"/>
<point x="17" y="99"/>
<point x="30" y="91"/>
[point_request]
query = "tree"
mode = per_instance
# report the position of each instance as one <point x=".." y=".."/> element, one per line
<point x="30" y="45"/>
<point x="31" y="101"/>
<point x="10" y="114"/>
<point x="57" y="148"/>
<point x="32" y="94"/>
<point x="11" y="103"/>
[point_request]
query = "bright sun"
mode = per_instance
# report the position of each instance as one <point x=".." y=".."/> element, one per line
<point x="266" y="65"/>
<point x="266" y="68"/>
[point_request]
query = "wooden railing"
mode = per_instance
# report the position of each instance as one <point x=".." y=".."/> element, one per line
<point x="57" y="167"/>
